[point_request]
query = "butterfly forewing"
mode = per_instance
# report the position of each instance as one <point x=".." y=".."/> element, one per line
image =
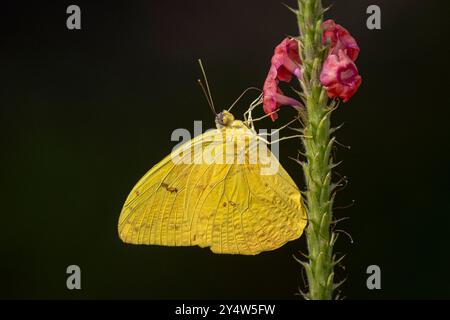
<point x="230" y="207"/>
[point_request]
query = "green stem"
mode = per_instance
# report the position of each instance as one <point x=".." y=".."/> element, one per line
<point x="317" y="144"/>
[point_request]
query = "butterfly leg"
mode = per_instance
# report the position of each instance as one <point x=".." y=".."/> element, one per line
<point x="288" y="137"/>
<point x="253" y="105"/>
<point x="279" y="129"/>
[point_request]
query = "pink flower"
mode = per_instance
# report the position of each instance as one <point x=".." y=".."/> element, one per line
<point x="273" y="96"/>
<point x="340" y="39"/>
<point x="286" y="60"/>
<point x="340" y="76"/>
<point x="285" y="63"/>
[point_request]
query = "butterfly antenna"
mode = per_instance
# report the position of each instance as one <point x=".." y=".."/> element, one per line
<point x="242" y="94"/>
<point x="206" y="96"/>
<point x="206" y="89"/>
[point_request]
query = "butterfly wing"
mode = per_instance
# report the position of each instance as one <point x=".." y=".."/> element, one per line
<point x="230" y="207"/>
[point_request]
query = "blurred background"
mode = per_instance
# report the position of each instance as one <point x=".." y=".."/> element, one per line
<point x="84" y="114"/>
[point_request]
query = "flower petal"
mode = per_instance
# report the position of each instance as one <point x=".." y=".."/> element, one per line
<point x="340" y="76"/>
<point x="286" y="60"/>
<point x="340" y="39"/>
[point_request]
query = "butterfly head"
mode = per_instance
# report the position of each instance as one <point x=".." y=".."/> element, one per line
<point x="224" y="119"/>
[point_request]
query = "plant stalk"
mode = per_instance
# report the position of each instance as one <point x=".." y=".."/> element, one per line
<point x="317" y="143"/>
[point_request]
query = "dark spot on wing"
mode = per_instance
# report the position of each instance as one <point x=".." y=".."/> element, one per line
<point x="168" y="188"/>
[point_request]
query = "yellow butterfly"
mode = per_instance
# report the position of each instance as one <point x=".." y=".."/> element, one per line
<point x="232" y="207"/>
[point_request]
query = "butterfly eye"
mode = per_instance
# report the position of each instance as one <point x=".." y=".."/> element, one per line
<point x="220" y="119"/>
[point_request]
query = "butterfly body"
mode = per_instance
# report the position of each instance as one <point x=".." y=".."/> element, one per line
<point x="201" y="198"/>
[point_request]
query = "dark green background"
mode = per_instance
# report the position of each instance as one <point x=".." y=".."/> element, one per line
<point x="84" y="114"/>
